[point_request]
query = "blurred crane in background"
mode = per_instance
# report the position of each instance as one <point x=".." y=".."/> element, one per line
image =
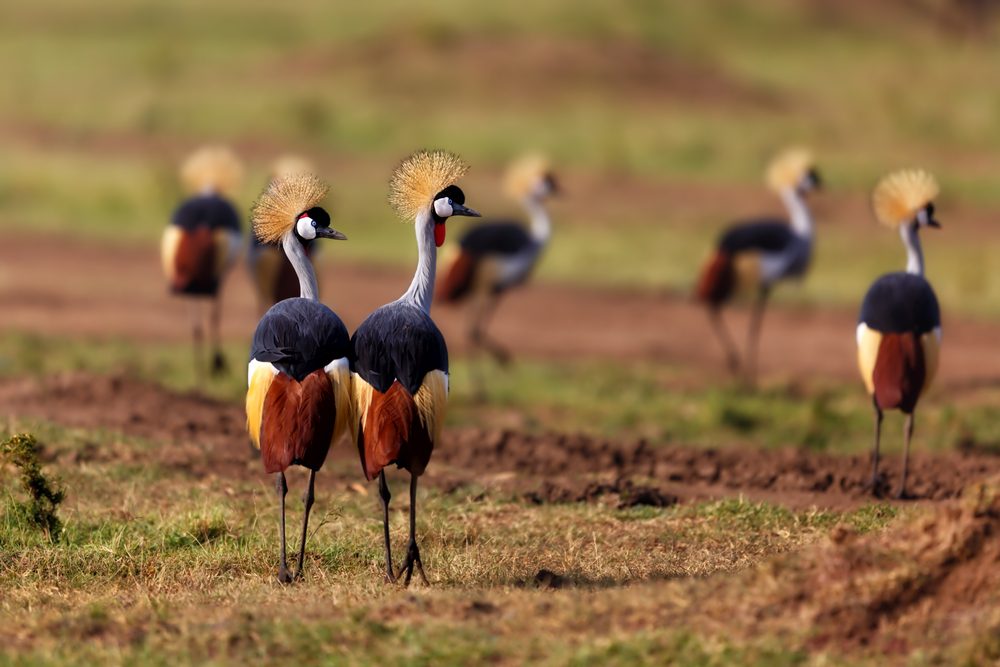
<point x="899" y="329"/>
<point x="401" y="360"/>
<point x="202" y="242"/>
<point x="273" y="276"/>
<point x="754" y="255"/>
<point x="495" y="256"/>
<point x="299" y="395"/>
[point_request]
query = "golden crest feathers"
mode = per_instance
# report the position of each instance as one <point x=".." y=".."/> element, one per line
<point x="212" y="168"/>
<point x="421" y="176"/>
<point x="524" y="174"/>
<point x="275" y="211"/>
<point x="788" y="167"/>
<point x="900" y="195"/>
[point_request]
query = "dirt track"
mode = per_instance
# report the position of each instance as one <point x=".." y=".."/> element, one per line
<point x="207" y="439"/>
<point x="92" y="289"/>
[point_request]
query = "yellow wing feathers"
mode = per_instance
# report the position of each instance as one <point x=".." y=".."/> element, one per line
<point x="168" y="250"/>
<point x="932" y="352"/>
<point x="432" y="403"/>
<point x="339" y="373"/>
<point x="868" y="343"/>
<point x="260" y="382"/>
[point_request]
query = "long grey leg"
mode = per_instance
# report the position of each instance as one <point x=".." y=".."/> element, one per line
<point x="307" y="500"/>
<point x="281" y="486"/>
<point x="722" y="334"/>
<point x="215" y="322"/>
<point x="499" y="352"/>
<point x="383" y="492"/>
<point x="875" y="444"/>
<point x="907" y="435"/>
<point x="753" y="339"/>
<point x="412" y="552"/>
<point x="198" y="338"/>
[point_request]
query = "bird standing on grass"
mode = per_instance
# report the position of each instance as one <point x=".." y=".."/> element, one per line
<point x="299" y="384"/>
<point x="899" y="329"/>
<point x="202" y="242"/>
<point x="400" y="367"/>
<point x="754" y="255"/>
<point x="496" y="256"/>
<point x="273" y="275"/>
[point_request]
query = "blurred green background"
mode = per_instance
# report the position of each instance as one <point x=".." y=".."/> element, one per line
<point x="659" y="116"/>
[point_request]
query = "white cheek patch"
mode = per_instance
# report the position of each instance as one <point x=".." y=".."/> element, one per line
<point x="922" y="216"/>
<point x="305" y="228"/>
<point x="443" y="207"/>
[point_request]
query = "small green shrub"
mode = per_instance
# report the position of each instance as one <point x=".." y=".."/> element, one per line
<point x="21" y="451"/>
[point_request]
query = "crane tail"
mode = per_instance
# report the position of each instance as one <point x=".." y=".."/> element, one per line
<point x="397" y="427"/>
<point x="298" y="423"/>
<point x="900" y="371"/>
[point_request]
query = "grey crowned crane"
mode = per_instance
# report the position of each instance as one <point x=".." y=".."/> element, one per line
<point x="495" y="256"/>
<point x="400" y="366"/>
<point x="752" y="256"/>
<point x="202" y="242"/>
<point x="273" y="276"/>
<point x="299" y="383"/>
<point x="899" y="329"/>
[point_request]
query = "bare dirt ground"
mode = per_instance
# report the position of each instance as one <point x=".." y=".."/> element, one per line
<point x="207" y="438"/>
<point x="76" y="288"/>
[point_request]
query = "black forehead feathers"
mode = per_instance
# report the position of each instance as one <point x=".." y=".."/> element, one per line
<point x="930" y="209"/>
<point x="814" y="175"/>
<point x="319" y="214"/>
<point x="453" y="192"/>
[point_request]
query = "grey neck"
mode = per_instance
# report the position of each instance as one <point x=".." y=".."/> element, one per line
<point x="798" y="212"/>
<point x="303" y="267"/>
<point x="914" y="253"/>
<point x="541" y="225"/>
<point x="421" y="290"/>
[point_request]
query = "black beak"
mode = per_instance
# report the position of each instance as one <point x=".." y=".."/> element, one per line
<point x="933" y="223"/>
<point x="816" y="180"/>
<point x="330" y="233"/>
<point x="458" y="209"/>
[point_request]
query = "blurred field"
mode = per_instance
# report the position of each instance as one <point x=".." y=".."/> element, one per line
<point x="647" y="108"/>
<point x="659" y="117"/>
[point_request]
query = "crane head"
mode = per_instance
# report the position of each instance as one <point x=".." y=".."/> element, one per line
<point x="315" y="224"/>
<point x="810" y="181"/>
<point x="448" y="202"/>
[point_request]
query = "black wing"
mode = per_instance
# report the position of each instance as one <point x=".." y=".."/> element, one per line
<point x="300" y="336"/>
<point x="495" y="238"/>
<point x="900" y="303"/>
<point x="769" y="235"/>
<point x="398" y="342"/>
<point x="210" y="211"/>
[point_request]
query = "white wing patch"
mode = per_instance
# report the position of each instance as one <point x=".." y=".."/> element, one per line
<point x="254" y="365"/>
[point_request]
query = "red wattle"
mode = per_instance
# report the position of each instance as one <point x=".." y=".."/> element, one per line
<point x="439" y="232"/>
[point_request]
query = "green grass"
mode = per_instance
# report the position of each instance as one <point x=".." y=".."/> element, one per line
<point x="172" y="569"/>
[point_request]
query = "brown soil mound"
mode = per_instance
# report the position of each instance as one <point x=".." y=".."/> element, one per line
<point x="922" y="581"/>
<point x="208" y="437"/>
<point x="570" y="463"/>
